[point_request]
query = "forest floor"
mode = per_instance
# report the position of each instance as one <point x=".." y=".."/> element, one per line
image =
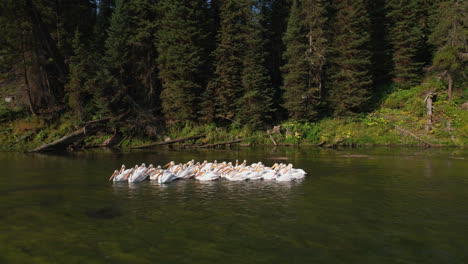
<point x="401" y="119"/>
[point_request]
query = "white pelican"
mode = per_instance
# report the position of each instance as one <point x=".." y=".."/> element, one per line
<point x="121" y="175"/>
<point x="166" y="177"/>
<point x="207" y="176"/>
<point x="139" y="174"/>
<point x="290" y="174"/>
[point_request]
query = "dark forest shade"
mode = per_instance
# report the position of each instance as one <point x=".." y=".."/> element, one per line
<point x="249" y="62"/>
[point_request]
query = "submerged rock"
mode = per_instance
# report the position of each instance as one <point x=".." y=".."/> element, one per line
<point x="107" y="212"/>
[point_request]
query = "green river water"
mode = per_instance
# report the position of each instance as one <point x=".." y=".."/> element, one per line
<point x="375" y="205"/>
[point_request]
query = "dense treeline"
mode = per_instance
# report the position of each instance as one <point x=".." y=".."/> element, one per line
<point x="252" y="62"/>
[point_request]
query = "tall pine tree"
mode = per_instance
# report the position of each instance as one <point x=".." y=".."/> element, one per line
<point x="305" y="55"/>
<point x="224" y="91"/>
<point x="257" y="100"/>
<point x="407" y="39"/>
<point x="114" y="87"/>
<point x="450" y="39"/>
<point x="181" y="57"/>
<point x="350" y="78"/>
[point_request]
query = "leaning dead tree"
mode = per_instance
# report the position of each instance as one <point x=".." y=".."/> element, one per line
<point x="62" y="143"/>
<point x="426" y="143"/>
<point x="221" y="143"/>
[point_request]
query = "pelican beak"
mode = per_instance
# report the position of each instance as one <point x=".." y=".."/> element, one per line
<point x="128" y="175"/>
<point x="113" y="175"/>
<point x="167" y="165"/>
<point x="274" y="166"/>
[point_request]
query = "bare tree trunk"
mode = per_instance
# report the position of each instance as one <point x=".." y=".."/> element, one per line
<point x="450" y="86"/>
<point x="429" y="111"/>
<point x="26" y="80"/>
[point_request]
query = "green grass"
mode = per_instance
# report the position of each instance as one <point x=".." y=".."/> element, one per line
<point x="403" y="108"/>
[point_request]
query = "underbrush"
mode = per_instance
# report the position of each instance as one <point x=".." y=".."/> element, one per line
<point x="400" y="111"/>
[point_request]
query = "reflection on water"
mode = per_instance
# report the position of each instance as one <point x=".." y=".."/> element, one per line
<point x="377" y="205"/>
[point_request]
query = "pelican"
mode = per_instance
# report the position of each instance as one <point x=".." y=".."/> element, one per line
<point x="207" y="176"/>
<point x="139" y="174"/>
<point x="154" y="174"/>
<point x="121" y="175"/>
<point x="208" y="171"/>
<point x="166" y="177"/>
<point x="289" y="173"/>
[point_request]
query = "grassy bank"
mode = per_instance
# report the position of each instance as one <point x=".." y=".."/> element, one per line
<point x="400" y="120"/>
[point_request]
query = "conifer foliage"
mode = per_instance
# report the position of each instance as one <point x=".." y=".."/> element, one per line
<point x="407" y="38"/>
<point x="451" y="42"/>
<point x="249" y="63"/>
<point x="181" y="57"/>
<point x="239" y="89"/>
<point x="350" y="77"/>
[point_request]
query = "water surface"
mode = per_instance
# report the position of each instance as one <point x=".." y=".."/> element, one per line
<point x="379" y="205"/>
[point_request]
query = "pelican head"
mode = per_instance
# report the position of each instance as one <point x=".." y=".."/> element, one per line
<point x="170" y="164"/>
<point x="128" y="174"/>
<point x="116" y="172"/>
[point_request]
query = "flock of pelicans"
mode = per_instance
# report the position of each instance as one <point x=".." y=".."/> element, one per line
<point x="208" y="171"/>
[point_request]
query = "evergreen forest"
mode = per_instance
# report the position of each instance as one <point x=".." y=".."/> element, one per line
<point x="134" y="72"/>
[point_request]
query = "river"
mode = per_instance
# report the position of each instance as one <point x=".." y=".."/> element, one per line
<point x="367" y="205"/>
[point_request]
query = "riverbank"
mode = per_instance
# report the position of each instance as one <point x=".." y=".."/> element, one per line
<point x="401" y="119"/>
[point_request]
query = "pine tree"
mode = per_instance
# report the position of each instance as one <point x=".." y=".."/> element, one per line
<point x="407" y="38"/>
<point x="113" y="90"/>
<point x="142" y="54"/>
<point x="181" y="56"/>
<point x="305" y="58"/>
<point x="256" y="102"/>
<point x="350" y="73"/>
<point x="273" y="19"/>
<point x="103" y="16"/>
<point x="79" y="92"/>
<point x="450" y="39"/>
<point x="315" y="19"/>
<point x="224" y="91"/>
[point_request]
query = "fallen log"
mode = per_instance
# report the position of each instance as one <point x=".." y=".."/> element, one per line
<point x="167" y="142"/>
<point x="62" y="143"/>
<point x="112" y="141"/>
<point x="222" y="143"/>
<point x="273" y="140"/>
<point x="416" y="137"/>
<point x="335" y="144"/>
<point x="322" y="143"/>
<point x="19" y="140"/>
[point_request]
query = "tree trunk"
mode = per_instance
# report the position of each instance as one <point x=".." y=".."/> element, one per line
<point x="26" y="80"/>
<point x="450" y="86"/>
<point x="47" y="73"/>
<point x="428" y="100"/>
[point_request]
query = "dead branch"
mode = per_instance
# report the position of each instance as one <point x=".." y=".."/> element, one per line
<point x="222" y="143"/>
<point x="63" y="142"/>
<point x="416" y="137"/>
<point x="167" y="142"/>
